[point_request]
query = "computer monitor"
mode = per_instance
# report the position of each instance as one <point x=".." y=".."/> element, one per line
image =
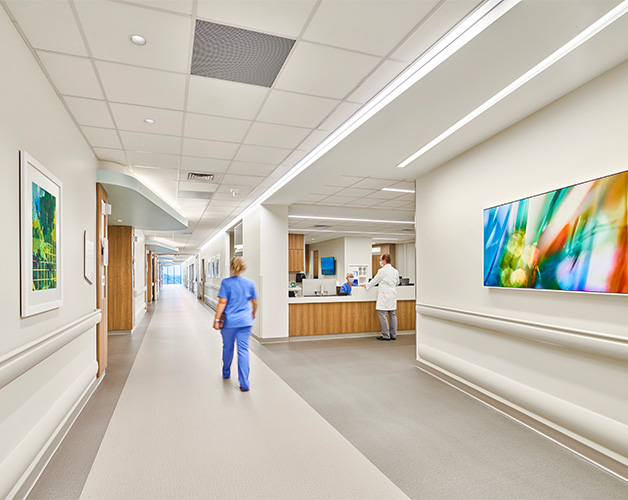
<point x="299" y="277"/>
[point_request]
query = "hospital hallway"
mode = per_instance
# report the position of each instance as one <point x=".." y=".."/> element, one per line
<point x="348" y="418"/>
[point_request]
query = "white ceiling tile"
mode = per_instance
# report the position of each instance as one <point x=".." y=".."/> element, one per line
<point x="288" y="108"/>
<point x="207" y="165"/>
<point x="224" y="98"/>
<point x="371" y="183"/>
<point x="226" y="188"/>
<point x="132" y="118"/>
<point x="280" y="171"/>
<point x="313" y="140"/>
<point x="385" y="195"/>
<point x="197" y="186"/>
<point x="156" y="173"/>
<point x="277" y="17"/>
<point x="370" y="26"/>
<point x="356" y="193"/>
<point x="391" y="204"/>
<point x="165" y="189"/>
<point x="140" y="86"/>
<point x="102" y="137"/>
<point x="362" y="203"/>
<point x="280" y="136"/>
<point x="108" y="27"/>
<point x="447" y="15"/>
<point x="343" y="112"/>
<point x="242" y="180"/>
<point x="343" y="180"/>
<point x="325" y="190"/>
<point x="260" y="154"/>
<point x="49" y="25"/>
<point x="90" y="112"/>
<point x="233" y="203"/>
<point x="113" y="155"/>
<point x="71" y="75"/>
<point x="249" y="168"/>
<point x="304" y="70"/>
<point x="182" y="6"/>
<point x="155" y="160"/>
<point x="153" y="143"/>
<point x="381" y="77"/>
<point x="338" y="199"/>
<point x="215" y="128"/>
<point x="209" y="149"/>
<point x="294" y="158"/>
<point x="312" y="198"/>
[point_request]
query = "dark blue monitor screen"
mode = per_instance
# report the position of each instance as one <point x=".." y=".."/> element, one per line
<point x="328" y="265"/>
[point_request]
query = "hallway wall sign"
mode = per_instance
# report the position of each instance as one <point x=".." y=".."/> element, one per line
<point x="574" y="238"/>
<point x="40" y="238"/>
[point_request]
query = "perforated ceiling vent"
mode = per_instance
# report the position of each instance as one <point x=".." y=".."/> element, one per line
<point x="197" y="176"/>
<point x="238" y="55"/>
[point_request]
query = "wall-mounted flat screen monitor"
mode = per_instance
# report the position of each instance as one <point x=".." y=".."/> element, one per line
<point x="328" y="265"/>
<point x="574" y="238"/>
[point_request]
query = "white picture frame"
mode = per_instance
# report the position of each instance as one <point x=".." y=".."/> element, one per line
<point x="41" y="236"/>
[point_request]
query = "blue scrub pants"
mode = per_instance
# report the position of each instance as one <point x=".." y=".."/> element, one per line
<point x="229" y="338"/>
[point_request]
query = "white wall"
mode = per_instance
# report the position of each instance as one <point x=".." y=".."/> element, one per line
<point x="560" y="357"/>
<point x="331" y="248"/>
<point x="265" y="251"/>
<point x="218" y="247"/>
<point x="47" y="361"/>
<point x="140" y="276"/>
<point x="356" y="251"/>
<point x="405" y="254"/>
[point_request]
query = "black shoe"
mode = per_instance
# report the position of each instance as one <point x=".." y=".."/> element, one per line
<point x="382" y="338"/>
<point x="393" y="338"/>
<point x="243" y="390"/>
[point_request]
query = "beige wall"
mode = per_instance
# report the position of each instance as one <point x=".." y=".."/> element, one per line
<point x="47" y="361"/>
<point x="567" y="364"/>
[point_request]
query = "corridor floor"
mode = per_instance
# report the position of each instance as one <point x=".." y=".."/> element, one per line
<point x="325" y="419"/>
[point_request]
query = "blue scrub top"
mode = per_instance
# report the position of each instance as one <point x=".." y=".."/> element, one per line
<point x="345" y="288"/>
<point x="238" y="291"/>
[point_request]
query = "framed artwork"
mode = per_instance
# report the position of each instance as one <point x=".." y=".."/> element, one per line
<point x="217" y="266"/>
<point x="41" y="238"/>
<point x="574" y="238"/>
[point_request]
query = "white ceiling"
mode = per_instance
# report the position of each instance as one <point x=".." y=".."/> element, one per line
<point x="250" y="136"/>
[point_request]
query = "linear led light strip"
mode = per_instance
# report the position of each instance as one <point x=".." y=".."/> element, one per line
<point x="574" y="43"/>
<point x="349" y="219"/>
<point x="297" y="230"/>
<point x="482" y="17"/>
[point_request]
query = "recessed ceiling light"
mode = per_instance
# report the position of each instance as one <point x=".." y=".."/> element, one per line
<point x="398" y="190"/>
<point x="138" y="40"/>
<point x="150" y="121"/>
<point x="119" y="220"/>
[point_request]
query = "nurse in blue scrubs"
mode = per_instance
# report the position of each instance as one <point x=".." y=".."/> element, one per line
<point x="238" y="300"/>
<point x="346" y="287"/>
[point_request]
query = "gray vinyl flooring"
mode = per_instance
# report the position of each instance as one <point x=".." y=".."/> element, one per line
<point x="346" y="418"/>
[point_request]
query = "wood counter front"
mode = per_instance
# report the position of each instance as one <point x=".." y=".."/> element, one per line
<point x="325" y="318"/>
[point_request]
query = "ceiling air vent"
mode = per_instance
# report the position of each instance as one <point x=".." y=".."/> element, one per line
<point x="196" y="176"/>
<point x="320" y="226"/>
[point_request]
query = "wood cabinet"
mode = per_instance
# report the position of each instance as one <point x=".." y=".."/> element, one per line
<point x="296" y="252"/>
<point x="121" y="293"/>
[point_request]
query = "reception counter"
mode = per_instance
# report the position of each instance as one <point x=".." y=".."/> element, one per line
<point x="353" y="313"/>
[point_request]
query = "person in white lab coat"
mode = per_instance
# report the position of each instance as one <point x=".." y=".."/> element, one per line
<point x="387" y="278"/>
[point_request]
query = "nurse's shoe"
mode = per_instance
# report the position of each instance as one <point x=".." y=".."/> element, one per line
<point x="243" y="390"/>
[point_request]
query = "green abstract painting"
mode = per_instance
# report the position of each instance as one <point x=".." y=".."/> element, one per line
<point x="44" y="239"/>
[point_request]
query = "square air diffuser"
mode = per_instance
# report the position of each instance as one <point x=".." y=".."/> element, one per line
<point x="238" y="55"/>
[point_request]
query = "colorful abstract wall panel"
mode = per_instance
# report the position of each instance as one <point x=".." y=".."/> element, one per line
<point x="574" y="238"/>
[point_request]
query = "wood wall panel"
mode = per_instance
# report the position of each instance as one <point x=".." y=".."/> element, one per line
<point x="102" y="328"/>
<point x="325" y="318"/>
<point x="296" y="252"/>
<point x="121" y="293"/>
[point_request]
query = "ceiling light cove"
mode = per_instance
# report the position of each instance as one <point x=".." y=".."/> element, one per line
<point x="399" y="190"/>
<point x="349" y="219"/>
<point x="571" y="45"/>
<point x="138" y="39"/>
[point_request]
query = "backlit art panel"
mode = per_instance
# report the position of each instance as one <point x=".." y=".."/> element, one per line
<point x="575" y="238"/>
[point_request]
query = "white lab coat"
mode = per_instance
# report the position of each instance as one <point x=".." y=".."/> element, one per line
<point x="388" y="279"/>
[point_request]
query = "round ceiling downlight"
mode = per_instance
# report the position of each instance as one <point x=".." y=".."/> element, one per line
<point x="138" y="40"/>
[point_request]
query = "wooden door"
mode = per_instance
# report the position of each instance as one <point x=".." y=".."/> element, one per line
<point x="101" y="281"/>
<point x="315" y="264"/>
<point x="121" y="278"/>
